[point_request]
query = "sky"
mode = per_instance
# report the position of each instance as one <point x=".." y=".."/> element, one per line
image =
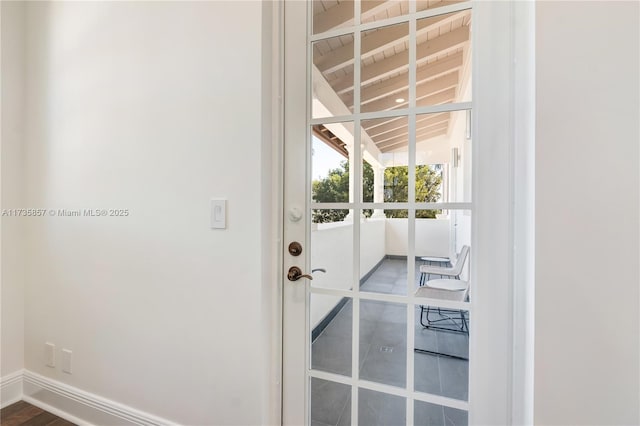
<point x="324" y="159"/>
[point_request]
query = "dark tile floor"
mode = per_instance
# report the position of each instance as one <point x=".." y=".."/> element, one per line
<point x="383" y="356"/>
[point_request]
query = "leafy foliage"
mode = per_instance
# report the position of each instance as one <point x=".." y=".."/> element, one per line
<point x="335" y="189"/>
<point x="396" y="189"/>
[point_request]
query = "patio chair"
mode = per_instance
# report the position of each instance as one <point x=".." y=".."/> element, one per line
<point x="449" y="272"/>
<point x="444" y="289"/>
<point x="438" y="260"/>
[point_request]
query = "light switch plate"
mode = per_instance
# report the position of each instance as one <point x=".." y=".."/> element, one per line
<point x="218" y="214"/>
<point x="66" y="360"/>
<point x="50" y="354"/>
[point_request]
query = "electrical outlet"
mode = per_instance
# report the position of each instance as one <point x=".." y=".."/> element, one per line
<point x="66" y="361"/>
<point x="50" y="354"/>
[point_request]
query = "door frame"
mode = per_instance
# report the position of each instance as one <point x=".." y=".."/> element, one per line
<point x="503" y="194"/>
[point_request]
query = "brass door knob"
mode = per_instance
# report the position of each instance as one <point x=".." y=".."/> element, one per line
<point x="295" y="273"/>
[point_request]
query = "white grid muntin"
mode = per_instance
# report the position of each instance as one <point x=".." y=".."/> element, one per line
<point x="357" y="206"/>
<point x="357" y="189"/>
<point x="392" y="298"/>
<point x="391" y="390"/>
<point x="429" y="109"/>
<point x="393" y="206"/>
<point x="307" y="204"/>
<point x="411" y="197"/>
<point x="357" y="27"/>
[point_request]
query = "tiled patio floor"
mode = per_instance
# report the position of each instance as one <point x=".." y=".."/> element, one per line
<point x="383" y="355"/>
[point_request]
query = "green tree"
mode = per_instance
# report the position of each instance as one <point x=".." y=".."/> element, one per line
<point x="335" y="189"/>
<point x="396" y="189"/>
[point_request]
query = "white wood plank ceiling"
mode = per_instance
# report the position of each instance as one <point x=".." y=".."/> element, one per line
<point x="442" y="56"/>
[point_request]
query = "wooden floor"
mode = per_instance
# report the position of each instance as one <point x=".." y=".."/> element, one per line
<point x="23" y="413"/>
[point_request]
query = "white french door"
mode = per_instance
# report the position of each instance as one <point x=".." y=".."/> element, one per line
<point x="377" y="101"/>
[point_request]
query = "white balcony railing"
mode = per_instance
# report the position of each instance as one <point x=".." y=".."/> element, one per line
<point x="332" y="249"/>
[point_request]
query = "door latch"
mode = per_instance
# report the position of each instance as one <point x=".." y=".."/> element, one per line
<point x="295" y="273"/>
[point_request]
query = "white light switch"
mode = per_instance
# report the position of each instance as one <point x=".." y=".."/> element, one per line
<point x="66" y="361"/>
<point x="50" y="354"/>
<point x="218" y="214"/>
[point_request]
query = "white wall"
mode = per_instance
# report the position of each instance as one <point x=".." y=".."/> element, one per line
<point x="372" y="244"/>
<point x="332" y="249"/>
<point x="11" y="178"/>
<point x="153" y="107"/>
<point x="432" y="237"/>
<point x="587" y="297"/>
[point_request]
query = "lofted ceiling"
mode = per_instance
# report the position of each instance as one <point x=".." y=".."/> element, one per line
<point x="442" y="58"/>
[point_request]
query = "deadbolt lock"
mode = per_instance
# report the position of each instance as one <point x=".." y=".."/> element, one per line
<point x="295" y="249"/>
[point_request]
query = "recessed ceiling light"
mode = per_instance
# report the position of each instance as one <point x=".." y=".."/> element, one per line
<point x="399" y="100"/>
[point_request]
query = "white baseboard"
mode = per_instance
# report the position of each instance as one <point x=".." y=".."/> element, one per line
<point x="56" y="411"/>
<point x="75" y="405"/>
<point x="11" y="388"/>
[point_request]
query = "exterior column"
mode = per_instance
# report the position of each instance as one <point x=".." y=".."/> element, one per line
<point x="352" y="167"/>
<point x="352" y="184"/>
<point x="378" y="190"/>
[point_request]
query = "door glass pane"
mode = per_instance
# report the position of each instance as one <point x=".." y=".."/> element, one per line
<point x="376" y="11"/>
<point x="443" y="55"/>
<point x="331" y="160"/>
<point x="443" y="157"/>
<point x="330" y="403"/>
<point x="441" y="353"/>
<point x="440" y="245"/>
<point x="427" y="414"/>
<point x="383" y="252"/>
<point x="332" y="76"/>
<point x="433" y="242"/>
<point x="383" y="342"/>
<point x="332" y="248"/>
<point x="380" y="409"/>
<point x="434" y="4"/>
<point x="385" y="155"/>
<point x="331" y="325"/>
<point x="442" y="174"/>
<point x="331" y="15"/>
<point x="443" y="256"/>
<point x="384" y="76"/>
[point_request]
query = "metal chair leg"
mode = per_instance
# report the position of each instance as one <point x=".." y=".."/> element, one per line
<point x="422" y="316"/>
<point x="462" y="328"/>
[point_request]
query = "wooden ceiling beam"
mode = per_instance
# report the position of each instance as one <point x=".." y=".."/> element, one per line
<point x="335" y="17"/>
<point x="382" y="125"/>
<point x="396" y="84"/>
<point x="437" y="99"/>
<point x="330" y="139"/>
<point x="380" y="40"/>
<point x="429" y="88"/>
<point x="420" y="126"/>
<point x="427" y="135"/>
<point x="423" y="5"/>
<point x="405" y="138"/>
<point x="341" y="15"/>
<point x="445" y="97"/>
<point x="396" y="124"/>
<point x="399" y="62"/>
